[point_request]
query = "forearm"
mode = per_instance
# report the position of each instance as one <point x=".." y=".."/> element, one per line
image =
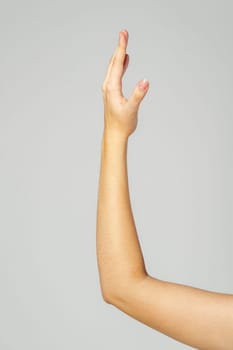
<point x="119" y="255"/>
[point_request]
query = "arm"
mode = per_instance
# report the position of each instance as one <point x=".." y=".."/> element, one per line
<point x="193" y="316"/>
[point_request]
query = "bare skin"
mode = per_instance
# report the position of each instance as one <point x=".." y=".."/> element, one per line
<point x="193" y="316"/>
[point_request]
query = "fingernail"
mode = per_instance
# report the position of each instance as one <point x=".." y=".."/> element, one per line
<point x="143" y="84"/>
<point x="124" y="32"/>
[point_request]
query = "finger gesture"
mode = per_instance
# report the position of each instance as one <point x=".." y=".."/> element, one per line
<point x="120" y="113"/>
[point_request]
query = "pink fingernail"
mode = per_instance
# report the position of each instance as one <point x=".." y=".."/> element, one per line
<point x="124" y="33"/>
<point x="143" y="84"/>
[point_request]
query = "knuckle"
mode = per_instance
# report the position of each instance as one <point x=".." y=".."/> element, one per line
<point x="137" y="97"/>
<point x="109" y="87"/>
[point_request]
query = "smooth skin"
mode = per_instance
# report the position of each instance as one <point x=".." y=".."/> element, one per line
<point x="193" y="316"/>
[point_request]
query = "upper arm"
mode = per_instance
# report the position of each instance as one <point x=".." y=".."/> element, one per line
<point x="193" y="316"/>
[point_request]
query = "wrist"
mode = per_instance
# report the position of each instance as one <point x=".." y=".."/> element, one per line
<point x="114" y="136"/>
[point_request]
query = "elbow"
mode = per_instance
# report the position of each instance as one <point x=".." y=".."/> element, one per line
<point x="113" y="296"/>
<point x="122" y="289"/>
<point x="120" y="293"/>
<point x="106" y="296"/>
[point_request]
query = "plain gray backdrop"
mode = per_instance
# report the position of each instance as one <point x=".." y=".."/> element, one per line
<point x="54" y="56"/>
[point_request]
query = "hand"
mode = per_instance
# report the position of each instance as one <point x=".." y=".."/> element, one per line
<point x="120" y="114"/>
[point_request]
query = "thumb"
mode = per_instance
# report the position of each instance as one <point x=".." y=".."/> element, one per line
<point x="139" y="92"/>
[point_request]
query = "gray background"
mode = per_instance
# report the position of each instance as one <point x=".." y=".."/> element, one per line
<point x="54" y="56"/>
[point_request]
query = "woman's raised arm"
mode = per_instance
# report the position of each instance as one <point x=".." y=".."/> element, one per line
<point x="196" y="317"/>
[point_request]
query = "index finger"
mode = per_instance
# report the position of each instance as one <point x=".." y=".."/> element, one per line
<point x="116" y="67"/>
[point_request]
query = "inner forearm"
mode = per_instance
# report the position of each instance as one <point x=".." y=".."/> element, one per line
<point x="119" y="254"/>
